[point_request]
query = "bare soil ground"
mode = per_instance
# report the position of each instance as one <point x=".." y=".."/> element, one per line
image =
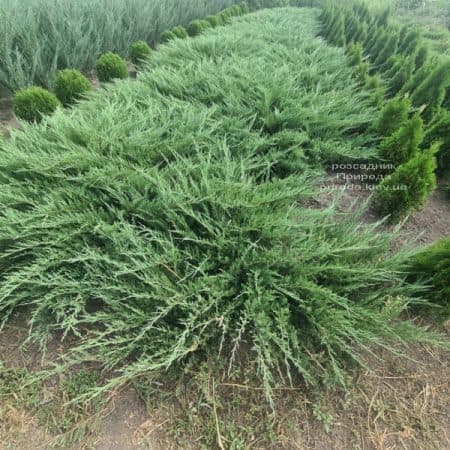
<point x="401" y="404"/>
<point x="430" y="223"/>
<point x="7" y="119"/>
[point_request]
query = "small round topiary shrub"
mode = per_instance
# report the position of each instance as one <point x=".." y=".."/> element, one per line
<point x="70" y="85"/>
<point x="197" y="27"/>
<point x="32" y="103"/>
<point x="214" y="21"/>
<point x="180" y="32"/>
<point x="219" y="20"/>
<point x="110" y="66"/>
<point x="167" y="36"/>
<point x="140" y="52"/>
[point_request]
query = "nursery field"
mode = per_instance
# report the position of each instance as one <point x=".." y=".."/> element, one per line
<point x="38" y="37"/>
<point x="245" y="246"/>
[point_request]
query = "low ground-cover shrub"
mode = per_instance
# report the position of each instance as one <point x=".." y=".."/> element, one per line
<point x="432" y="265"/>
<point x="157" y="216"/>
<point x="31" y="104"/>
<point x="140" y="52"/>
<point x="70" y="85"/>
<point x="111" y="66"/>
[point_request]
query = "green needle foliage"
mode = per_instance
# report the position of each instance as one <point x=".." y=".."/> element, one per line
<point x="31" y="104"/>
<point x="70" y="85"/>
<point x="400" y="74"/>
<point x="214" y="21"/>
<point x="393" y="116"/>
<point x="432" y="90"/>
<point x="355" y="54"/>
<point x="404" y="143"/>
<point x="408" y="187"/>
<point x="140" y="52"/>
<point x="422" y="56"/>
<point x="432" y="265"/>
<point x="160" y="220"/>
<point x="197" y="27"/>
<point x="439" y="131"/>
<point x="39" y="37"/>
<point x="111" y="66"/>
<point x="180" y="32"/>
<point x="389" y="49"/>
<point x="167" y="36"/>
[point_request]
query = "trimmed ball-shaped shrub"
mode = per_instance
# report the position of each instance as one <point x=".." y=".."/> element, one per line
<point x="70" y="85"/>
<point x="225" y="17"/>
<point x="32" y="103"/>
<point x="110" y="66"/>
<point x="140" y="52"/>
<point x="167" y="36"/>
<point x="214" y="21"/>
<point x="197" y="27"/>
<point x="180" y="32"/>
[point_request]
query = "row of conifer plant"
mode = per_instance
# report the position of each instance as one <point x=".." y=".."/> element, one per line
<point x="70" y="85"/>
<point x="413" y="88"/>
<point x="395" y="63"/>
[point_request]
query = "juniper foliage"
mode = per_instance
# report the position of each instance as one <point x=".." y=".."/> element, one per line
<point x="156" y="221"/>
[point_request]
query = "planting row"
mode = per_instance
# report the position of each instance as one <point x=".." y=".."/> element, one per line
<point x="394" y="63"/>
<point x="40" y="37"/>
<point x="160" y="220"/>
<point x="32" y="103"/>
<point x="414" y="88"/>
